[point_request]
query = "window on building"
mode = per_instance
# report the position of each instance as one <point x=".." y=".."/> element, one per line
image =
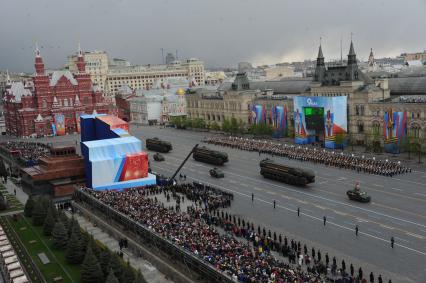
<point x="44" y="103"/>
<point x="415" y="130"/>
<point x="356" y="110"/>
<point x="360" y="127"/>
<point x="376" y="128"/>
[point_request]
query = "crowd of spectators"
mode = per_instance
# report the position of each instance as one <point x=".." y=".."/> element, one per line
<point x="235" y="247"/>
<point x="27" y="151"/>
<point x="313" y="154"/>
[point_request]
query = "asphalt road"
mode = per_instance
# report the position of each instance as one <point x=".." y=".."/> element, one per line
<point x="398" y="206"/>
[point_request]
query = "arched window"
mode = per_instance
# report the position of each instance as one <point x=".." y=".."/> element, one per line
<point x="360" y="125"/>
<point x="415" y="130"/>
<point x="376" y="128"/>
<point x="44" y="103"/>
<point x="65" y="102"/>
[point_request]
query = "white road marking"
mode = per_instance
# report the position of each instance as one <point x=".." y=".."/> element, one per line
<point x="374" y="216"/>
<point x="374" y="231"/>
<point x="340" y="213"/>
<point x="415" y="235"/>
<point x="408" y="181"/>
<point x="244" y="185"/>
<point x="257" y="189"/>
<point x="396" y="189"/>
<point x="402" y="239"/>
<point x="419" y="194"/>
<point x="381" y="186"/>
<point x="232" y="182"/>
<point x="323" y="182"/>
<point x="271" y="193"/>
<point x="387" y="227"/>
<point x="319" y="206"/>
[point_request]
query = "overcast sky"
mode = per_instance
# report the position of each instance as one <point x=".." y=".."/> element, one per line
<point x="219" y="32"/>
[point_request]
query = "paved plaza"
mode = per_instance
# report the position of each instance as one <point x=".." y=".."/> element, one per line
<point x="397" y="207"/>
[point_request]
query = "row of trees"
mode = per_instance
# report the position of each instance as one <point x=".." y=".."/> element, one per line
<point x="232" y="125"/>
<point x="98" y="264"/>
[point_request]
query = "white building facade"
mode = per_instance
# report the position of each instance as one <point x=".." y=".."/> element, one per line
<point x="144" y="77"/>
<point x="158" y="105"/>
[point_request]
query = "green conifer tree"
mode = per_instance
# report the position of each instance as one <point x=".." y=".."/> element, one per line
<point x="64" y="219"/>
<point x="139" y="277"/>
<point x="128" y="276"/>
<point x="60" y="236"/>
<point x="111" y="277"/>
<point x="75" y="253"/>
<point x="116" y="265"/>
<point x="38" y="214"/>
<point x="104" y="261"/>
<point x="29" y="206"/>
<point x="49" y="223"/>
<point x="91" y="271"/>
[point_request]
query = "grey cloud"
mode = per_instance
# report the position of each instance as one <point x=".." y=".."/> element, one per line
<point x="220" y="32"/>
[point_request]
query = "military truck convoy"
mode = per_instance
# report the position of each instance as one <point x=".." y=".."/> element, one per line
<point x="284" y="173"/>
<point x="268" y="168"/>
<point x="155" y="144"/>
<point x="206" y="155"/>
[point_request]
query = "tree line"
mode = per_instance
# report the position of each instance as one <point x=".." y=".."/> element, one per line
<point x="233" y="126"/>
<point x="98" y="264"/>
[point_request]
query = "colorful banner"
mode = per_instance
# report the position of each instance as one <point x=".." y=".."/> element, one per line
<point x="53" y="129"/>
<point x="275" y="116"/>
<point x="60" y="124"/>
<point x="77" y="120"/>
<point x="319" y="118"/>
<point x="394" y="130"/>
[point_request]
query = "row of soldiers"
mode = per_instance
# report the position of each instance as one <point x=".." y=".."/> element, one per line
<point x="313" y="154"/>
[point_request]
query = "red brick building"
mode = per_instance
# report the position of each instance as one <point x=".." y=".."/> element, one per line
<point x="56" y="174"/>
<point x="51" y="104"/>
<point x="123" y="105"/>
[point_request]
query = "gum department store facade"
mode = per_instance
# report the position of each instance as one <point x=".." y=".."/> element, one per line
<point x="368" y="99"/>
<point x="31" y="107"/>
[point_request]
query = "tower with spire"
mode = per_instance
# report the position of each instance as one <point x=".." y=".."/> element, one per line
<point x="81" y="65"/>
<point x="39" y="65"/>
<point x="371" y="66"/>
<point x="320" y="67"/>
<point x="8" y="80"/>
<point x="352" y="68"/>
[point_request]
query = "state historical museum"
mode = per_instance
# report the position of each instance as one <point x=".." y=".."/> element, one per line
<point x="51" y="104"/>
